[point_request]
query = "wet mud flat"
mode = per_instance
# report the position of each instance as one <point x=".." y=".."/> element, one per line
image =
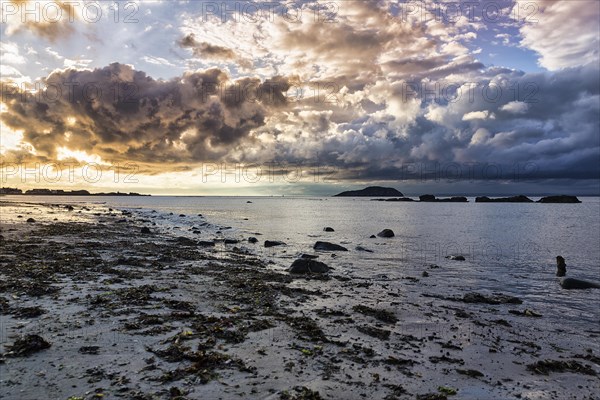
<point x="91" y="307"/>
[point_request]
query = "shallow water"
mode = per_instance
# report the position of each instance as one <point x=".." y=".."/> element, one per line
<point x="509" y="248"/>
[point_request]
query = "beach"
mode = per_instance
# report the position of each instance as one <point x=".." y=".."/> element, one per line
<point x="91" y="307"/>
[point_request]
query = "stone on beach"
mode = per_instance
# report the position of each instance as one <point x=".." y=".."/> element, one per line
<point x="386" y="233"/>
<point x="26" y="345"/>
<point x="326" y="246"/>
<point x="306" y="266"/>
<point x="273" y="243"/>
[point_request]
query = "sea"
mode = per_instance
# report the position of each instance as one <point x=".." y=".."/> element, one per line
<point x="508" y="247"/>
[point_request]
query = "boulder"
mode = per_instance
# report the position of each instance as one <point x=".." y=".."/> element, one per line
<point x="372" y="237"/>
<point x="309" y="256"/>
<point x="307" y="266"/>
<point x="456" y="258"/>
<point x="231" y="241"/>
<point x="145" y="230"/>
<point x="386" y="233"/>
<point x="273" y="243"/>
<point x="328" y="229"/>
<point x="206" y="243"/>
<point x="326" y="246"/>
<point x="252" y="239"/>
<point x="30" y="220"/>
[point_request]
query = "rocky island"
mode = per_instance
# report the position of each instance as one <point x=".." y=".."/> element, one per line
<point x="371" y="191"/>
<point x="513" y="199"/>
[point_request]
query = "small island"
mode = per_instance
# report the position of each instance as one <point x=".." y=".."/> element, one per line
<point x="371" y="191"/>
<point x="429" y="198"/>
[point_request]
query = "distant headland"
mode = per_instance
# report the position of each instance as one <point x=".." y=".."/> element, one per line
<point x="59" y="192"/>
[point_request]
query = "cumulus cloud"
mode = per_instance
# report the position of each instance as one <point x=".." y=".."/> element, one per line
<point x="515" y="107"/>
<point x="121" y="114"/>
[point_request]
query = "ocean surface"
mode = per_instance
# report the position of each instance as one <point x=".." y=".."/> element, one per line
<point x="509" y="248"/>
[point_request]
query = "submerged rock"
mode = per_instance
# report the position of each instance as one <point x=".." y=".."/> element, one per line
<point x="306" y="266"/>
<point x="386" y="233"/>
<point x="326" y="246"/>
<point x="273" y="243"/>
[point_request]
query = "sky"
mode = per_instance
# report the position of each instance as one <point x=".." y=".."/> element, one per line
<point x="303" y="97"/>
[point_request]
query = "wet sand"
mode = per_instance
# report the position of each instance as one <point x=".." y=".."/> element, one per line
<point x="92" y="308"/>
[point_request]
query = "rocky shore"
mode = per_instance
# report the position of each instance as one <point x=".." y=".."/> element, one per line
<point x="91" y="307"/>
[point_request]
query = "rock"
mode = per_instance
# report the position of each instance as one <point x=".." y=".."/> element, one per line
<point x="427" y="197"/>
<point x="425" y="274"/>
<point x="386" y="233"/>
<point x="309" y="256"/>
<point x="26" y="345"/>
<point x="306" y="266"/>
<point x="206" y="243"/>
<point x="69" y="208"/>
<point x="231" y="241"/>
<point x="561" y="266"/>
<point x="146" y="230"/>
<point x="513" y="199"/>
<point x="559" y="199"/>
<point x="273" y="243"/>
<point x="248" y="202"/>
<point x="30" y="220"/>
<point x="360" y="248"/>
<point x="431" y="198"/>
<point x="328" y="229"/>
<point x="371" y="191"/>
<point x="372" y="237"/>
<point x="252" y="239"/>
<point x="456" y="258"/>
<point x="182" y="215"/>
<point x="326" y="246"/>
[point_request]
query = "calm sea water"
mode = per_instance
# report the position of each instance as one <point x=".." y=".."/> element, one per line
<point x="508" y="247"/>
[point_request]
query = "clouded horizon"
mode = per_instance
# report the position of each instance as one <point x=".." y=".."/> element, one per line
<point x="302" y="97"/>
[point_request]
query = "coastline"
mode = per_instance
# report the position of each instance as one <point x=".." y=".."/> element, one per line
<point x="171" y="318"/>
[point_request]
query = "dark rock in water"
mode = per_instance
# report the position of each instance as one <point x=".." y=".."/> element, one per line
<point x="425" y="274"/>
<point x="26" y="345"/>
<point x="360" y="248"/>
<point x="205" y="243"/>
<point x="386" y="233"/>
<point x="121" y="221"/>
<point x="328" y="229"/>
<point x="93" y="350"/>
<point x="371" y="191"/>
<point x="326" y="246"/>
<point x="559" y="199"/>
<point x="30" y="220"/>
<point x="561" y="266"/>
<point x="513" y="199"/>
<point x="394" y="199"/>
<point x="456" y="258"/>
<point x="571" y="283"/>
<point x="231" y="241"/>
<point x="182" y="215"/>
<point x="69" y="208"/>
<point x="273" y="243"/>
<point x="199" y="215"/>
<point x="252" y="239"/>
<point x="544" y="367"/>
<point x="372" y="237"/>
<point x="427" y="197"/>
<point x="306" y="266"/>
<point x="309" y="256"/>
<point x="248" y="202"/>
<point x="146" y="230"/>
